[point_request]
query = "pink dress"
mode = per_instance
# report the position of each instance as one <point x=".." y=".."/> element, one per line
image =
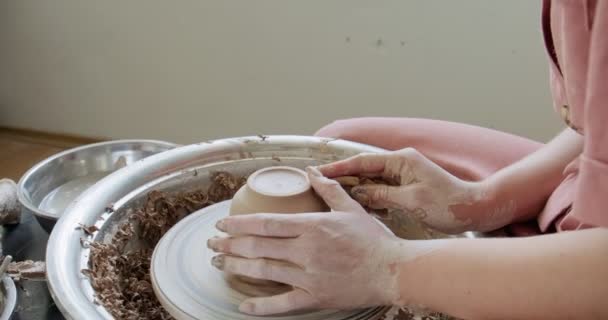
<point x="576" y="38"/>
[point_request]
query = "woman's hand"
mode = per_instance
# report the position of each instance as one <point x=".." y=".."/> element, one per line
<point x="341" y="259"/>
<point x="424" y="189"/>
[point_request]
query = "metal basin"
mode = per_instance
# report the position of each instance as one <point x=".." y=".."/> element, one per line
<point x="181" y="169"/>
<point x="48" y="187"/>
<point x="8" y="298"/>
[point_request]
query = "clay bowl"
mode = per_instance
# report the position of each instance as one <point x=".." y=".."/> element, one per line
<point x="178" y="170"/>
<point x="48" y="187"/>
<point x="279" y="189"/>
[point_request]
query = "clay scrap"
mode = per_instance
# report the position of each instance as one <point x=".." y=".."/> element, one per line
<point x="27" y="270"/>
<point x="121" y="277"/>
<point x="397" y="313"/>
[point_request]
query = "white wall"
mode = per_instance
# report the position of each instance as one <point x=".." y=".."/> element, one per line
<point x="191" y="70"/>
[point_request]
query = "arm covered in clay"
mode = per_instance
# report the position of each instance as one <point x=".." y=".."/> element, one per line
<point x="559" y="276"/>
<point x="528" y="171"/>
<point x="447" y="203"/>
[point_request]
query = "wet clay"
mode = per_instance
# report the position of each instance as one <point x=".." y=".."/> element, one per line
<point x="402" y="225"/>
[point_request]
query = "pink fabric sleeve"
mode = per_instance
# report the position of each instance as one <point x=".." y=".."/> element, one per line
<point x="590" y="206"/>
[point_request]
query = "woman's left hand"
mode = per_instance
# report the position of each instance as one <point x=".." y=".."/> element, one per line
<point x="341" y="259"/>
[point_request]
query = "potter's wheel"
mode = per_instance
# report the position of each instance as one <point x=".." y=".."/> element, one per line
<point x="189" y="287"/>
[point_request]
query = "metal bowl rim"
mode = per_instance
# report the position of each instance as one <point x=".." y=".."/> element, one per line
<point x="10" y="301"/>
<point x="24" y="201"/>
<point x="65" y="280"/>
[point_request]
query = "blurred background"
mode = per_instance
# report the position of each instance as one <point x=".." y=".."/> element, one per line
<point x="191" y="70"/>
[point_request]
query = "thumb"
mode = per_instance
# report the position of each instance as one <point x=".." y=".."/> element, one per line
<point x="332" y="193"/>
<point x="381" y="196"/>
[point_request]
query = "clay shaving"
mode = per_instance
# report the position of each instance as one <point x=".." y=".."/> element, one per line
<point x="406" y="314"/>
<point x="27" y="270"/>
<point x="120" y="276"/>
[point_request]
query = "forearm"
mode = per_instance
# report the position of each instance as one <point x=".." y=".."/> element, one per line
<point x="524" y="186"/>
<point x="561" y="276"/>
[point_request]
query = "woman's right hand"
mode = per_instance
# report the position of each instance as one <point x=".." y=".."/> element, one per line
<point x="425" y="190"/>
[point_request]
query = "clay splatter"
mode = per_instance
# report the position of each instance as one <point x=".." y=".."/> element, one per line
<point x="409" y="314"/>
<point x="88" y="230"/>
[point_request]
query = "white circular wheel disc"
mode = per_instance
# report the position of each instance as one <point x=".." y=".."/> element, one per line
<point x="189" y="287"/>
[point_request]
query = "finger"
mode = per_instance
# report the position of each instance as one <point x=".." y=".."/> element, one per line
<point x="264" y="269"/>
<point x="332" y="192"/>
<point x="266" y="224"/>
<point x="297" y="299"/>
<point x="381" y="196"/>
<point x="364" y="163"/>
<point x="254" y="247"/>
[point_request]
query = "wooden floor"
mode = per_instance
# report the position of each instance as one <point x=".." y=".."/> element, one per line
<point x="21" y="149"/>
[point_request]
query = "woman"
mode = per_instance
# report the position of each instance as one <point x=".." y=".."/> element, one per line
<point x="457" y="177"/>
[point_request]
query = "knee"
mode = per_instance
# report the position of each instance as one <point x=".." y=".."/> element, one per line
<point x="346" y="129"/>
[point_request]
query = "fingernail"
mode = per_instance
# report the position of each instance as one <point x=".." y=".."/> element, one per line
<point x="360" y="195"/>
<point x="247" y="307"/>
<point x="314" y="172"/>
<point x="212" y="243"/>
<point x="221" y="225"/>
<point x="218" y="262"/>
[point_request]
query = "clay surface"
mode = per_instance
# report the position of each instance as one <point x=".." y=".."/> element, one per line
<point x="402" y="225"/>
<point x="277" y="190"/>
<point x="279" y="181"/>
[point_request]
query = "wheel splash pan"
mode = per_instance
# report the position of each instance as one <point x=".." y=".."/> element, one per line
<point x="181" y="169"/>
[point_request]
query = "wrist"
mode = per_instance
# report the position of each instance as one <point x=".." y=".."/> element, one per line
<point x="495" y="206"/>
<point x="480" y="199"/>
<point x="487" y="194"/>
<point x="408" y="272"/>
<point x="396" y="250"/>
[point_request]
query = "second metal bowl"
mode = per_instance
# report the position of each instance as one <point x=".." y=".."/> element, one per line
<point x="49" y="187"/>
<point x="8" y="291"/>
